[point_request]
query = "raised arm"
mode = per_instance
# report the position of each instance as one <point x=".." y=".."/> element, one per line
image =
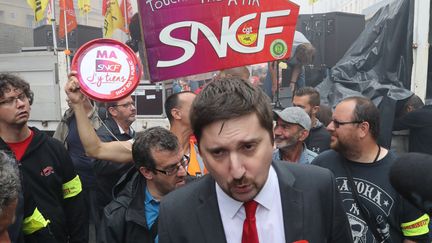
<point x="117" y="151"/>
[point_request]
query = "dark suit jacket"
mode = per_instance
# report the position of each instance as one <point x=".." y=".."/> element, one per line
<point x="311" y="207"/>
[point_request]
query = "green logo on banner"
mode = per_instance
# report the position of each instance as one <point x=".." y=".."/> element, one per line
<point x="278" y="48"/>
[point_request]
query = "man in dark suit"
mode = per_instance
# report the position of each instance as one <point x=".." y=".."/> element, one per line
<point x="246" y="197"/>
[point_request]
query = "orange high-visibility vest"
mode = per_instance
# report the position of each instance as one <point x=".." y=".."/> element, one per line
<point x="194" y="167"/>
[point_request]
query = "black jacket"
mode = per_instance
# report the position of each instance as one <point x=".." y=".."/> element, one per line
<point x="124" y="218"/>
<point x="319" y="138"/>
<point x="419" y="122"/>
<point x="107" y="172"/>
<point x="45" y="169"/>
<point x="312" y="209"/>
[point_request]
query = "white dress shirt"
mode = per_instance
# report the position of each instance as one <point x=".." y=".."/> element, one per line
<point x="131" y="131"/>
<point x="269" y="218"/>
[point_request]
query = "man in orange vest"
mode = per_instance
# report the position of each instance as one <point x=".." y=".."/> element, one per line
<point x="177" y="109"/>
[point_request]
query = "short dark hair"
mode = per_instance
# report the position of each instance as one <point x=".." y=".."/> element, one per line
<point x="324" y="114"/>
<point x="314" y="95"/>
<point x="110" y="104"/>
<point x="415" y="102"/>
<point x="8" y="81"/>
<point x="9" y="181"/>
<point x="157" y="138"/>
<point x="228" y="98"/>
<point x="365" y="110"/>
<point x="173" y="101"/>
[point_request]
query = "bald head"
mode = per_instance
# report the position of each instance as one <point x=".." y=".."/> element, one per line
<point x="237" y="72"/>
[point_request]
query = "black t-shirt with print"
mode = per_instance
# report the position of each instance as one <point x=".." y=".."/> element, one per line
<point x="318" y="140"/>
<point x="377" y="195"/>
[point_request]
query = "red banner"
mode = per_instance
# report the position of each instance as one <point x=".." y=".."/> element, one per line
<point x="66" y="7"/>
<point x="182" y="38"/>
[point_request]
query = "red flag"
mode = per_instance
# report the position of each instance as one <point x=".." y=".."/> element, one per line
<point x="127" y="13"/>
<point x="105" y="4"/>
<point x="66" y="6"/>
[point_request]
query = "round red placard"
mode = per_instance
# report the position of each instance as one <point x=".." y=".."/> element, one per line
<point x="108" y="70"/>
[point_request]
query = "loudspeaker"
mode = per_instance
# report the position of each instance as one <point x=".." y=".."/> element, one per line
<point x="285" y="97"/>
<point x="43" y="36"/>
<point x="150" y="98"/>
<point x="314" y="74"/>
<point x="331" y="34"/>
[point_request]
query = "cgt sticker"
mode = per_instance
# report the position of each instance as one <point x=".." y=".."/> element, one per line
<point x="107" y="69"/>
<point x="248" y="34"/>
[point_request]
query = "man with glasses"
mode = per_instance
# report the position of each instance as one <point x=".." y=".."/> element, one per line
<point x="376" y="212"/>
<point x="50" y="207"/>
<point x="160" y="167"/>
<point x="117" y="127"/>
<point x="177" y="107"/>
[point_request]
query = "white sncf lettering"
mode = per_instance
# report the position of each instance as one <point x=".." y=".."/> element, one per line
<point x="227" y="38"/>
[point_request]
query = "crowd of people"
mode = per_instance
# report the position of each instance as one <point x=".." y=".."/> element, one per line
<point x="231" y="168"/>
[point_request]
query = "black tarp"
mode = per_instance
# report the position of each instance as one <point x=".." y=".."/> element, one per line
<point x="377" y="65"/>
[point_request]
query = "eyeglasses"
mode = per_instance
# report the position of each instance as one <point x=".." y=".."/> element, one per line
<point x="175" y="168"/>
<point x="337" y="123"/>
<point x="12" y="100"/>
<point x="126" y="105"/>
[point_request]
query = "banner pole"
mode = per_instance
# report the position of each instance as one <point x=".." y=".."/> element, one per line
<point x="278" y="105"/>
<point x="53" y="25"/>
<point x="66" y="37"/>
<point x="126" y="17"/>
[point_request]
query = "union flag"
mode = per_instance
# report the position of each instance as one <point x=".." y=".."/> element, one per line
<point x="66" y="7"/>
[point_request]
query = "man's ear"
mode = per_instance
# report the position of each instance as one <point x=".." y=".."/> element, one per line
<point x="175" y="113"/>
<point x="315" y="110"/>
<point x="303" y="135"/>
<point x="364" y="129"/>
<point x="112" y="111"/>
<point x="148" y="174"/>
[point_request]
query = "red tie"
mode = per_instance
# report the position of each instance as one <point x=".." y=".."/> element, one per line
<point x="250" y="233"/>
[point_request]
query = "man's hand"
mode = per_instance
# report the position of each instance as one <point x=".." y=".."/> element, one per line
<point x="72" y="90"/>
<point x="292" y="86"/>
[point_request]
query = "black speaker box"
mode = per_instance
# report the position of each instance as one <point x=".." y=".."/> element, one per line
<point x="314" y="74"/>
<point x="43" y="36"/>
<point x="331" y="34"/>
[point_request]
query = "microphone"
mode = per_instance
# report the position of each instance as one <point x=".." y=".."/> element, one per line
<point x="411" y="176"/>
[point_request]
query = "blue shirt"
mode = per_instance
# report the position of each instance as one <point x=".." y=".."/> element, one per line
<point x="306" y="156"/>
<point x="151" y="208"/>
